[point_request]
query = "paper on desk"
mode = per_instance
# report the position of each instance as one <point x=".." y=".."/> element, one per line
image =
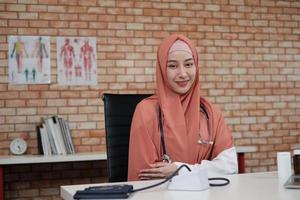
<point x="193" y="181"/>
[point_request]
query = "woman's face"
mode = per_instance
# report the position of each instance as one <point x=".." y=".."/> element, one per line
<point x="181" y="71"/>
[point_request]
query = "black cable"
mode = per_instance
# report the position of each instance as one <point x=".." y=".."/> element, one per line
<point x="162" y="182"/>
<point x="226" y="181"/>
<point x="124" y="191"/>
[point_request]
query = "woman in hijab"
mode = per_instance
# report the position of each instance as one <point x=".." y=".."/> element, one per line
<point x="176" y="126"/>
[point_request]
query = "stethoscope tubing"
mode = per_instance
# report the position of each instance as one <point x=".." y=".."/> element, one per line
<point x="166" y="157"/>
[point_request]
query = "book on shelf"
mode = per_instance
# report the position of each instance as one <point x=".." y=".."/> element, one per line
<point x="43" y="141"/>
<point x="39" y="139"/>
<point x="54" y="137"/>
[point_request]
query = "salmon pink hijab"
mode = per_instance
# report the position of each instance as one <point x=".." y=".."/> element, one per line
<point x="181" y="119"/>
<point x="180" y="113"/>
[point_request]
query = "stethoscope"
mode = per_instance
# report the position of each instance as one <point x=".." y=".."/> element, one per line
<point x="166" y="158"/>
<point x="210" y="140"/>
<point x="201" y="141"/>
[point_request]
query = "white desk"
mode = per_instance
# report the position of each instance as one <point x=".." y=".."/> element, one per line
<point x="252" y="186"/>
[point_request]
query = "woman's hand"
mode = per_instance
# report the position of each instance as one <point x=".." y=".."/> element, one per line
<point x="158" y="170"/>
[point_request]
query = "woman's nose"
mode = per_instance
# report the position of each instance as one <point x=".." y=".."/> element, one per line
<point x="182" y="71"/>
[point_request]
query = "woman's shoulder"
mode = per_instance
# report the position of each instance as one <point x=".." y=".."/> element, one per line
<point x="146" y="113"/>
<point x="147" y="105"/>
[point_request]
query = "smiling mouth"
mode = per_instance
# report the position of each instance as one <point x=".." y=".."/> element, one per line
<point x="182" y="83"/>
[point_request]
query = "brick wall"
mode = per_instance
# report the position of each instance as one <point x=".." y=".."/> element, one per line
<point x="249" y="57"/>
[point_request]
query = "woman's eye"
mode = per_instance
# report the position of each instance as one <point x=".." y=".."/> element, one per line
<point x="189" y="64"/>
<point x="171" y="66"/>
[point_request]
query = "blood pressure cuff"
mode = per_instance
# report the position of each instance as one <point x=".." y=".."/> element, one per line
<point x="105" y="192"/>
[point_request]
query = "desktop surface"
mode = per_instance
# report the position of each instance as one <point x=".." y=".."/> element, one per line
<point x="264" y="186"/>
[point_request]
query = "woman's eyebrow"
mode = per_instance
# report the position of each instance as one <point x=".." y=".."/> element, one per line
<point x="188" y="59"/>
<point x="177" y="61"/>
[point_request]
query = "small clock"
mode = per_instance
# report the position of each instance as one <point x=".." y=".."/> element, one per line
<point x="18" y="146"/>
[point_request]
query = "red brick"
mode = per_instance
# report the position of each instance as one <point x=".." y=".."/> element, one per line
<point x="58" y="24"/>
<point x="87" y="3"/>
<point x="135" y="26"/>
<point x="96" y="10"/>
<point x="78" y="25"/>
<point x="116" y="56"/>
<point x="97" y="25"/>
<point x="28" y="15"/>
<point x="67" y="110"/>
<point x="36" y="102"/>
<point x="77" y="9"/>
<point x="28" y="95"/>
<point x="159" y="27"/>
<point x="134" y="11"/>
<point x="87" y="32"/>
<point x="29" y="192"/>
<point x="117" y="86"/>
<point x="57" y="9"/>
<point x="39" y="23"/>
<point x="15" y="7"/>
<point x="77" y="102"/>
<point x="15" y="103"/>
<point x="116" y="26"/>
<point x="47" y="111"/>
<point x="125" y="4"/>
<point x="27" y="31"/>
<point x="83" y="149"/>
<point x="152" y="12"/>
<point x="15" y="119"/>
<point x="36" y="8"/>
<point x="47" y="31"/>
<point x="77" y="118"/>
<point x="3" y="23"/>
<point x="50" y="192"/>
<point x="38" y="87"/>
<point x="87" y="109"/>
<point x="8" y="15"/>
<point x="48" y="16"/>
<point x="66" y="16"/>
<point x="26" y="111"/>
<point x="87" y="125"/>
<point x="68" y="32"/>
<point x="108" y="33"/>
<point x="2" y="7"/>
<point x="49" y="94"/>
<point x="57" y="102"/>
<point x="115" y="11"/>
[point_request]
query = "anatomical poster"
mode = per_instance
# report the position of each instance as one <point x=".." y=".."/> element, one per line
<point x="29" y="59"/>
<point x="76" y="60"/>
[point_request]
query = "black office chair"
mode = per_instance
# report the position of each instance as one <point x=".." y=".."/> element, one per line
<point x="118" y="112"/>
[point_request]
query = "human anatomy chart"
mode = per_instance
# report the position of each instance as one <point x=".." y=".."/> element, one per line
<point x="29" y="59"/>
<point x="76" y="60"/>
